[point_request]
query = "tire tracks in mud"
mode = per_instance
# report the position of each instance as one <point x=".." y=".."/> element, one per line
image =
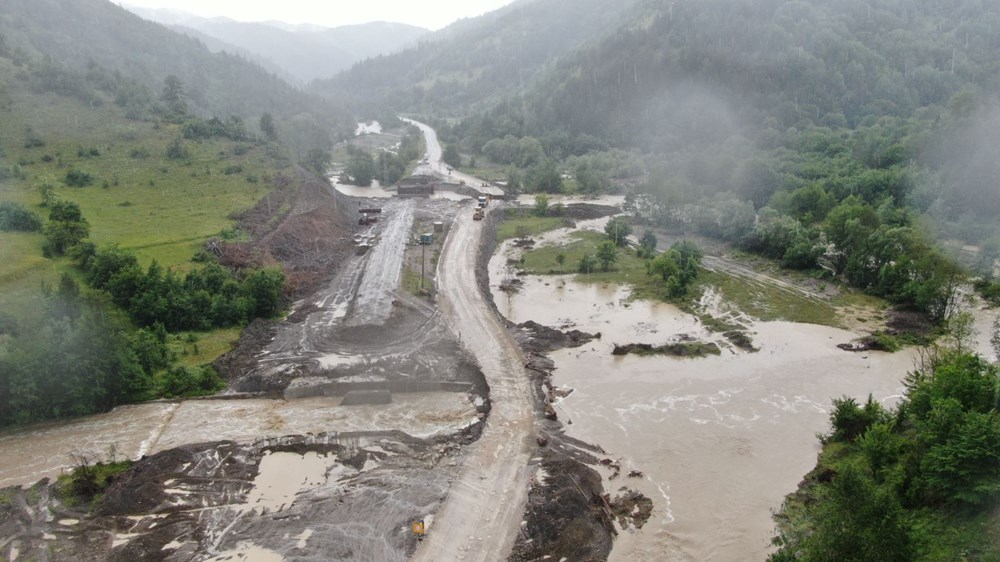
<point x="481" y="515"/>
<point x="721" y="265"/>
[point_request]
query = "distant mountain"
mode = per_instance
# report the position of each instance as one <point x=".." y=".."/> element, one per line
<point x="304" y="52"/>
<point x="83" y="33"/>
<point x="481" y="59"/>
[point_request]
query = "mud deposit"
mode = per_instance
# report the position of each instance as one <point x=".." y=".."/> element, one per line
<point x="329" y="497"/>
<point x="716" y="442"/>
<point x="349" y="482"/>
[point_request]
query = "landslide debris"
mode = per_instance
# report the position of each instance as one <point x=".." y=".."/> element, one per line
<point x="567" y="516"/>
<point x="194" y="502"/>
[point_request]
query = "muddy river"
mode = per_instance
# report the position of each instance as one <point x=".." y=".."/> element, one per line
<point x="720" y="440"/>
<point x="132" y="431"/>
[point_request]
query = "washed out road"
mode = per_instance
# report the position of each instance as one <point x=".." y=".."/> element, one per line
<point x="481" y="516"/>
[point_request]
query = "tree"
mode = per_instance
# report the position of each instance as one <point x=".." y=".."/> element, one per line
<point x="173" y="96"/>
<point x="858" y="521"/>
<point x="541" y="204"/>
<point x="47" y="190"/>
<point x="589" y="180"/>
<point x="267" y="127"/>
<point x="265" y="287"/>
<point x="66" y="228"/>
<point x="850" y="420"/>
<point x="390" y="168"/>
<point x="360" y="168"/>
<point x="647" y="245"/>
<point x="965" y="469"/>
<point x="587" y="264"/>
<point x="318" y="160"/>
<point x="607" y="254"/>
<point x="451" y="157"/>
<point x="618" y="231"/>
<point x="561" y="260"/>
<point x="961" y="329"/>
<point x="176" y="150"/>
<point x="544" y="177"/>
<point x="995" y="340"/>
<point x="14" y="217"/>
<point x="678" y="267"/>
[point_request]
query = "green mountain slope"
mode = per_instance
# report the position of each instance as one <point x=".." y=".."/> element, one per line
<point x="79" y="33"/>
<point x="769" y="63"/>
<point x="480" y="59"/>
<point x="108" y="194"/>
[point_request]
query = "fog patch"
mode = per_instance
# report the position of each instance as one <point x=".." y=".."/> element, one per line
<point x="966" y="189"/>
<point x="689" y="116"/>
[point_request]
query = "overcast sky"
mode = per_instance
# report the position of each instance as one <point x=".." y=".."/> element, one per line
<point x="432" y="14"/>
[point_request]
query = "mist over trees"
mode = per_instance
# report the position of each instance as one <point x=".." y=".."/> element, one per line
<point x="143" y="66"/>
<point x="768" y="125"/>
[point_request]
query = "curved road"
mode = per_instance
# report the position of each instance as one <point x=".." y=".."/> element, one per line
<point x="482" y="514"/>
<point x="436" y="167"/>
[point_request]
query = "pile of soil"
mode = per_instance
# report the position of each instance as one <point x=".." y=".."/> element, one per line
<point x="302" y="224"/>
<point x="567" y="517"/>
<point x="536" y="338"/>
<point x="677" y="349"/>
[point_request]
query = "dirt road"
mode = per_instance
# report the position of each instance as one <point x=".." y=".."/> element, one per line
<point x="481" y="516"/>
<point x="435" y="166"/>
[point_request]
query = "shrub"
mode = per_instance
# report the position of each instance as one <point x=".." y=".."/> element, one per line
<point x="14" y="217"/>
<point x="850" y="420"/>
<point x="78" y="178"/>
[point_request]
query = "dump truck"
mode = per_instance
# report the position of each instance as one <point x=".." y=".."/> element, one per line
<point x="478" y="214"/>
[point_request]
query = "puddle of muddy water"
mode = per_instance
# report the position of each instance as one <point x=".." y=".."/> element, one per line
<point x="720" y="440"/>
<point x="282" y="476"/>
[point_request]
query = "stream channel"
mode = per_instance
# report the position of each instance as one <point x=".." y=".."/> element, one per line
<point x="720" y="440"/>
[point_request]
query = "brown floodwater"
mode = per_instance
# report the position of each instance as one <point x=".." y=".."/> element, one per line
<point x="720" y="440"/>
<point x="37" y="451"/>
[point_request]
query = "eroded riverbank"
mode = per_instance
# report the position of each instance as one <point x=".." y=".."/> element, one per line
<point x="719" y="440"/>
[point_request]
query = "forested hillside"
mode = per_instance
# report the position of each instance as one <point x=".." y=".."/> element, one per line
<point x="480" y="59"/>
<point x="112" y="179"/>
<point x="98" y="37"/>
<point x="836" y="135"/>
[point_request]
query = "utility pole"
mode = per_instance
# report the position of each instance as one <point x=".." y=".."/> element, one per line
<point x="422" y="247"/>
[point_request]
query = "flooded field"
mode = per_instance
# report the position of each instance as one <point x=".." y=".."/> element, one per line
<point x="132" y="431"/>
<point x="720" y="440"/>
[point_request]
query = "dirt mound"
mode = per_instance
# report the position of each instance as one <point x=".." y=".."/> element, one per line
<point x="536" y="338"/>
<point x="302" y="224"/>
<point x="567" y="516"/>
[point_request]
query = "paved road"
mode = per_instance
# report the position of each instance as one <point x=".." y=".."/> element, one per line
<point x="482" y="515"/>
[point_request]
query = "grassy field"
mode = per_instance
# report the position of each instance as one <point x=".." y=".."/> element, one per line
<point x="761" y="301"/>
<point x="161" y="208"/>
<point x="530" y="225"/>
<point x="193" y="349"/>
